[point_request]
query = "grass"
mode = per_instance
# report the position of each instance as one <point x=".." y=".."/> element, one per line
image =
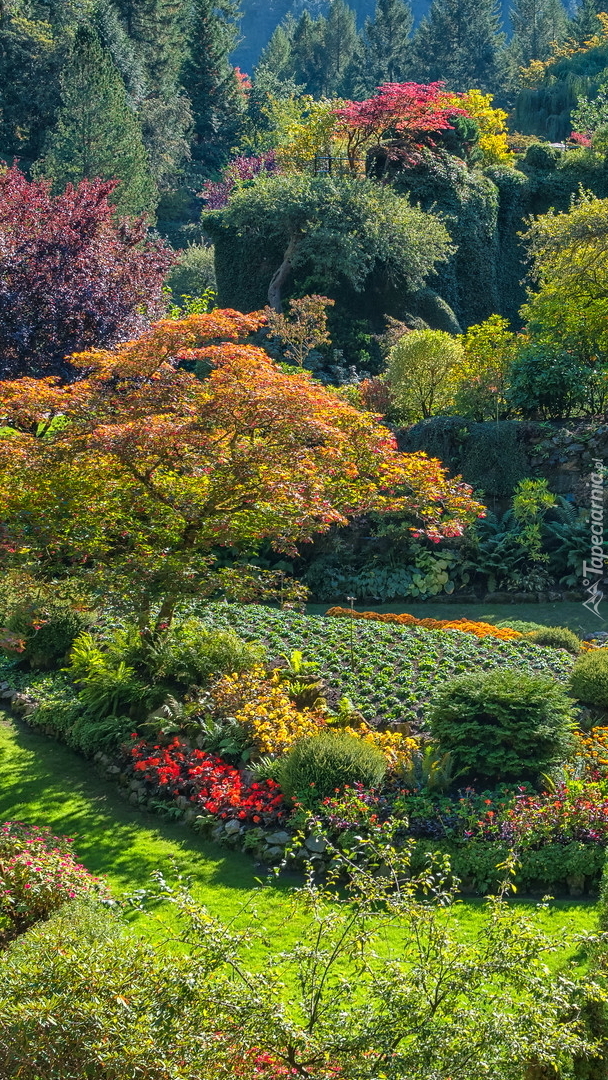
<point x="564" y="613"/>
<point x="45" y="783"/>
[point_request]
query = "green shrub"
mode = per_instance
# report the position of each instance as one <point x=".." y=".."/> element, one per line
<point x="106" y="685"/>
<point x="553" y="866"/>
<point x="192" y="273"/>
<point x="521" y="625"/>
<point x="589" y="679"/>
<point x="557" y="637"/>
<point x="315" y="768"/>
<point x="422" y="373"/>
<point x="194" y="653"/>
<point x="48" y="630"/>
<point x="80" y="997"/>
<point x="546" y="383"/>
<point x="502" y="727"/>
<point x="541" y="156"/>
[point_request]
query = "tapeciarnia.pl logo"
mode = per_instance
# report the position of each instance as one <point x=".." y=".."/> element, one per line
<point x="593" y="571"/>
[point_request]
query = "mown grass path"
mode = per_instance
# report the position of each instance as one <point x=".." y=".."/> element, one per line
<point x="45" y="783"/>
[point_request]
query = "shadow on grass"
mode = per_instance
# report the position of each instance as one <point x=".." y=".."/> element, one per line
<point x="45" y="783"/>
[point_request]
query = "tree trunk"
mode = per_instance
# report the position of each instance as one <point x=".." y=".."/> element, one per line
<point x="279" y="279"/>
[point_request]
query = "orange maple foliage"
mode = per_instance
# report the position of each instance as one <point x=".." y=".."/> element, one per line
<point x="480" y="629"/>
<point x="143" y="468"/>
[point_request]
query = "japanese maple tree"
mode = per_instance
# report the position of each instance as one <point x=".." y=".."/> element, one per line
<point x="71" y="276"/>
<point x="140" y="470"/>
<point x="409" y="112"/>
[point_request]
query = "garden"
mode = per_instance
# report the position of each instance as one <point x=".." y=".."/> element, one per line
<point x="303" y="674"/>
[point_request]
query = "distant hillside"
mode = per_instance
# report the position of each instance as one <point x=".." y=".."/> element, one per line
<point x="260" y="17"/>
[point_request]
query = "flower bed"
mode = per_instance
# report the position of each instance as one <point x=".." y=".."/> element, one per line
<point x="393" y="671"/>
<point x="207" y="782"/>
<point x="479" y="629"/>
<point x="38" y="874"/>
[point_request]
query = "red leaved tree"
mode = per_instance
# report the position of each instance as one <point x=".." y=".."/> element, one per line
<point x="408" y="112"/>
<point x="71" y="277"/>
<point x="156" y="468"/>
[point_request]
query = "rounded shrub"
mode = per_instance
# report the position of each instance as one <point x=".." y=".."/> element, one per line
<point x="47" y="631"/>
<point x="520" y="625"/>
<point x="589" y="679"/>
<point x="556" y="637"/>
<point x="317" y="767"/>
<point x="192" y="273"/>
<point x="502" y="726"/>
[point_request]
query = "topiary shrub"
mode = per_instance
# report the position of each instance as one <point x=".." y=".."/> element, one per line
<point x="589" y="679"/>
<point x="315" y="768"/>
<point x="556" y="637"/>
<point x="502" y="726"/>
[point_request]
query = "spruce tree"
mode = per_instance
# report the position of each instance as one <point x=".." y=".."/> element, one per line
<point x="212" y="85"/>
<point x="536" y="24"/>
<point x="459" y="42"/>
<point x="158" y="30"/>
<point x="97" y="134"/>
<point x="387" y="45"/>
<point x="341" y="49"/>
<point x="307" y="44"/>
<point x="585" y="23"/>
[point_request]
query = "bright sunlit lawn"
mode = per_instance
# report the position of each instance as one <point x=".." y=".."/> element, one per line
<point x="45" y="783"/>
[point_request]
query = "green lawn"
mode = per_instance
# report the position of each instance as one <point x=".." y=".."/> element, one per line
<point x="564" y="613"/>
<point x="45" y="783"/>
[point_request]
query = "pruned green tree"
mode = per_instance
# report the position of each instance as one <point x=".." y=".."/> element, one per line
<point x="97" y="133"/>
<point x="459" y="42"/>
<point x="340" y="229"/>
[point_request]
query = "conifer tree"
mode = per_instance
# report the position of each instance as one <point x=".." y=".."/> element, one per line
<point x="277" y="56"/>
<point x="307" y="53"/>
<point x="212" y="84"/>
<point x="387" y="46"/>
<point x="459" y="42"/>
<point x="585" y="23"/>
<point x="97" y="134"/>
<point x="158" y="29"/>
<point x="536" y="24"/>
<point x="341" y="50"/>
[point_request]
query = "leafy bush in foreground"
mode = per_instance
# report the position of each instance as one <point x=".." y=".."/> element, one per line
<point x="80" y="997"/>
<point x="503" y="726"/>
